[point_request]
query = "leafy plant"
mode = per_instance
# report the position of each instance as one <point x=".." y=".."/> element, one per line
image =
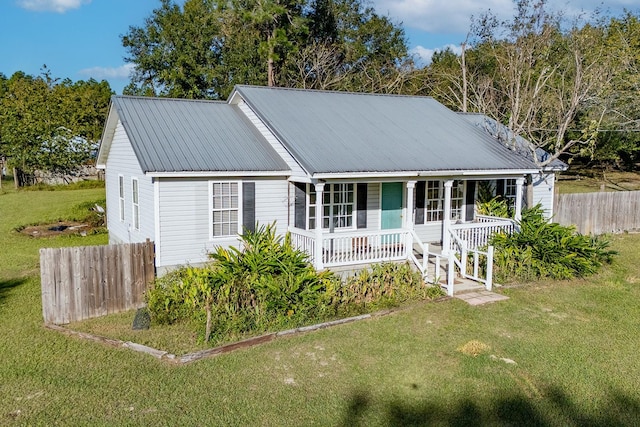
<point x="269" y="284"/>
<point x="496" y="206"/>
<point x="541" y="249"/>
<point x="385" y="284"/>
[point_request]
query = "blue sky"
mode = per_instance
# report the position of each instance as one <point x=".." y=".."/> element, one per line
<point x="80" y="39"/>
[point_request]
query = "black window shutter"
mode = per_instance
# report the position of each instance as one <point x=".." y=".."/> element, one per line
<point x="421" y="188"/>
<point x="300" y="205"/>
<point x="249" y="206"/>
<point x="470" y="200"/>
<point x="361" y="206"/>
<point x="500" y="187"/>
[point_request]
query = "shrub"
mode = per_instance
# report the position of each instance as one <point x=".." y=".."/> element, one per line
<point x="496" y="206"/>
<point x="386" y="284"/>
<point x="542" y="249"/>
<point x="268" y="284"/>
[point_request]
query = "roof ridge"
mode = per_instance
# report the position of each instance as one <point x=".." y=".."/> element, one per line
<point x="342" y="92"/>
<point x="162" y="98"/>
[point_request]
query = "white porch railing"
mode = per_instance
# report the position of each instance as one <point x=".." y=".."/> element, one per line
<point x="473" y="264"/>
<point x="363" y="247"/>
<point x="466" y="239"/>
<point x="432" y="265"/>
<point x="477" y="234"/>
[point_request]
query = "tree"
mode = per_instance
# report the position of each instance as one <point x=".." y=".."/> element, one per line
<point x="545" y="78"/>
<point x="51" y="125"/>
<point x="337" y="44"/>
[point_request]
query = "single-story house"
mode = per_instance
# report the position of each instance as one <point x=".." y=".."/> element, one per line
<point x="355" y="178"/>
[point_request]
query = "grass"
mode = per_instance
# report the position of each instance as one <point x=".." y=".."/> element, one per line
<point x="575" y="347"/>
<point x="589" y="181"/>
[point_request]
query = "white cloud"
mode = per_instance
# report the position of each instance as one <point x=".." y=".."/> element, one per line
<point x="424" y="54"/>
<point x="106" y="73"/>
<point x="437" y="16"/>
<point x="59" y="6"/>
<point x="454" y="16"/>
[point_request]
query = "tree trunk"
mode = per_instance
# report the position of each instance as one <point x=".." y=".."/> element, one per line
<point x="207" y="333"/>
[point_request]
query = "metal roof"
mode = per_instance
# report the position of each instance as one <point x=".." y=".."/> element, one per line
<point x="177" y="135"/>
<point x="338" y="132"/>
<point x="522" y="146"/>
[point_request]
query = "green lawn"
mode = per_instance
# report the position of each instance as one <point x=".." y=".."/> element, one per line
<point x="574" y="344"/>
<point x="576" y="182"/>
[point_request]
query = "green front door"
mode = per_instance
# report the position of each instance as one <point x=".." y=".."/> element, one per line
<point x="391" y="205"/>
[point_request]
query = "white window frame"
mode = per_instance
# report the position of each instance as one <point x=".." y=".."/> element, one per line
<point x="510" y="192"/>
<point x="457" y="200"/>
<point x="135" y="203"/>
<point x="433" y="206"/>
<point x="230" y="209"/>
<point x="121" y="194"/>
<point x="329" y="210"/>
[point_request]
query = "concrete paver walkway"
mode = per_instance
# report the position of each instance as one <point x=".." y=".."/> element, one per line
<point x="480" y="297"/>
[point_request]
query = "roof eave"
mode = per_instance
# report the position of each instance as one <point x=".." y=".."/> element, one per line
<point x="221" y="174"/>
<point x="438" y="173"/>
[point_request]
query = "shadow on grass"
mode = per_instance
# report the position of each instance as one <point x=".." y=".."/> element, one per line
<point x="7" y="285"/>
<point x="555" y="408"/>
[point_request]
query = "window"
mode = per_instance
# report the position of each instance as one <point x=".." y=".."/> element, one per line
<point x="434" y="201"/>
<point x="429" y="201"/>
<point x="457" y="200"/>
<point x="510" y="191"/>
<point x="135" y="203"/>
<point x="224" y="209"/>
<point x="121" y="196"/>
<point x="338" y="206"/>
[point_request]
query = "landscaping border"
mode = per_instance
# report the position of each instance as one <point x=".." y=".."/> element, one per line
<point x="226" y="348"/>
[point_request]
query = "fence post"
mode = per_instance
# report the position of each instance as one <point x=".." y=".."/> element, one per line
<point x="451" y="267"/>
<point x="489" y="284"/>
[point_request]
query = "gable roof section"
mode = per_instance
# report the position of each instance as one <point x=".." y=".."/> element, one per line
<point x="176" y="135"/>
<point x="343" y="132"/>
<point x="522" y="146"/>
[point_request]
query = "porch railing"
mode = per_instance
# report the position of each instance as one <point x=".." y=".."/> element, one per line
<point x="357" y="247"/>
<point x="477" y="234"/>
<point x="433" y="267"/>
<point x="363" y="247"/>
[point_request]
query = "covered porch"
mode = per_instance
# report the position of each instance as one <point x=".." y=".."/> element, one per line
<point x="370" y="222"/>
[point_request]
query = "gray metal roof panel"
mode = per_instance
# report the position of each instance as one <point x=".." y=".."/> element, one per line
<point x="176" y="135"/>
<point x="337" y="132"/>
<point x="522" y="145"/>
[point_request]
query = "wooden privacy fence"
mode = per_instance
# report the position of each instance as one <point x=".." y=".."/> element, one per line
<point x="598" y="213"/>
<point x="91" y="281"/>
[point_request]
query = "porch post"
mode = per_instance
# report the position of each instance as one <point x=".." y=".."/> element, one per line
<point x="446" y="217"/>
<point x="408" y="218"/>
<point x="518" y="213"/>
<point x="319" y="186"/>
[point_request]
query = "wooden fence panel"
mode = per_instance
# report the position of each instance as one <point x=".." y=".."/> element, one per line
<point x="91" y="281"/>
<point x="598" y="213"/>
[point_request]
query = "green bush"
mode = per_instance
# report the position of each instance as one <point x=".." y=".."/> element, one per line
<point x="542" y="249"/>
<point x="384" y="285"/>
<point x="269" y="285"/>
<point x="496" y="206"/>
<point x="266" y="283"/>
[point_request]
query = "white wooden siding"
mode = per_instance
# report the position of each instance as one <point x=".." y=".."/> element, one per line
<point x="297" y="174"/>
<point x="373" y="206"/>
<point x="122" y="161"/>
<point x="431" y="232"/>
<point x="543" y="189"/>
<point x="272" y="201"/>
<point x="184" y="217"/>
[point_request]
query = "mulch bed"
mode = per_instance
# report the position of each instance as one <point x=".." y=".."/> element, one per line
<point x="60" y="228"/>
